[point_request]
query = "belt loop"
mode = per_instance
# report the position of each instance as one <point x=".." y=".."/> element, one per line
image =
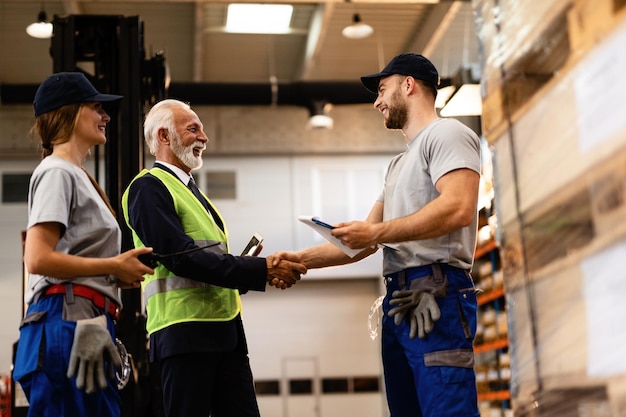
<point x="401" y="279"/>
<point x="437" y="274"/>
<point x="69" y="293"/>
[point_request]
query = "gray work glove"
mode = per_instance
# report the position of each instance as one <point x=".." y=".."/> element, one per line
<point x="92" y="346"/>
<point x="421" y="306"/>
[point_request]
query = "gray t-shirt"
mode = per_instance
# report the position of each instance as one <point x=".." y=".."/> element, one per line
<point x="442" y="146"/>
<point x="61" y="192"/>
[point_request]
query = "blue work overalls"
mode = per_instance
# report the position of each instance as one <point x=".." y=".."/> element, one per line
<point x="434" y="376"/>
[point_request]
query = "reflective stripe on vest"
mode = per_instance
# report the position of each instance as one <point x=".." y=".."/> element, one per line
<point x="171" y="283"/>
<point x="175" y="282"/>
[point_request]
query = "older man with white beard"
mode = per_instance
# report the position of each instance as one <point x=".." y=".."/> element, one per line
<point x="192" y="299"/>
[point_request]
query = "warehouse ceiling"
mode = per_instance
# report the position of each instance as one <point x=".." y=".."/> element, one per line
<point x="197" y="49"/>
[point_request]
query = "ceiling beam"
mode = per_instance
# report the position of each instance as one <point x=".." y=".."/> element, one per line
<point x="72" y="7"/>
<point x="315" y="40"/>
<point x="443" y="27"/>
<point x="428" y="34"/>
<point x="198" y="44"/>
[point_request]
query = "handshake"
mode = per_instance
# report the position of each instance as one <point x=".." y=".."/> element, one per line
<point x="283" y="273"/>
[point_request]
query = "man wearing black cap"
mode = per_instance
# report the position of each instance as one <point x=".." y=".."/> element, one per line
<point x="426" y="216"/>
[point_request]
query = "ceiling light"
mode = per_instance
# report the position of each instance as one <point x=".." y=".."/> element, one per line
<point x="41" y="29"/>
<point x="320" y="121"/>
<point x="258" y="18"/>
<point x="319" y="118"/>
<point x="443" y="95"/>
<point x="466" y="97"/>
<point x="358" y="29"/>
<point x="467" y="101"/>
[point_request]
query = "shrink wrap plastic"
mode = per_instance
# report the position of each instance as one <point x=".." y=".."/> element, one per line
<point x="559" y="157"/>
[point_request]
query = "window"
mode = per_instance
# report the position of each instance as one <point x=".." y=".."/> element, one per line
<point x="334" y="385"/>
<point x="300" y="386"/>
<point x="366" y="384"/>
<point x="15" y="188"/>
<point x="221" y="185"/>
<point x="267" y="387"/>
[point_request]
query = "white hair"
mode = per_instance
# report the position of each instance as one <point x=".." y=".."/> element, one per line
<point x="160" y="116"/>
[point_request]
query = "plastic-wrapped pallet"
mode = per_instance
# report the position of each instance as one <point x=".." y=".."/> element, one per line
<point x="524" y="43"/>
<point x="560" y="190"/>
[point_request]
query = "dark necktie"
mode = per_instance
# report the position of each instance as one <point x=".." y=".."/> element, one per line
<point x="194" y="189"/>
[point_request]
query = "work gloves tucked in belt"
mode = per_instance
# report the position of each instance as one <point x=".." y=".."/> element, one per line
<point x="419" y="303"/>
<point x="92" y="348"/>
<point x="422" y="309"/>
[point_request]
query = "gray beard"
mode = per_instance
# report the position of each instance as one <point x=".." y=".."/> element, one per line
<point x="185" y="154"/>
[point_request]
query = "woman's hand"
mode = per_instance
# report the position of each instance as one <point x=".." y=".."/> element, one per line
<point x="130" y="270"/>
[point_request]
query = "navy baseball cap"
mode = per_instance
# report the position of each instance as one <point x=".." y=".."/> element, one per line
<point x="413" y="65"/>
<point x="65" y="88"/>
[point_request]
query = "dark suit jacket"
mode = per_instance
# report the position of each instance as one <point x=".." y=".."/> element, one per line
<point x="153" y="217"/>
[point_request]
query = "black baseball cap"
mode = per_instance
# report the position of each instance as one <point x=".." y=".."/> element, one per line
<point x="414" y="65"/>
<point x="65" y="88"/>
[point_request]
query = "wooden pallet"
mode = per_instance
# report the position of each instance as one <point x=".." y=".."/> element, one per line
<point x="510" y="84"/>
<point x="585" y="216"/>
<point x="589" y="21"/>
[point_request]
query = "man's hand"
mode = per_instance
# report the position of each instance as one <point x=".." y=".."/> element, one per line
<point x="421" y="306"/>
<point x="91" y="347"/>
<point x="356" y="235"/>
<point x="282" y="273"/>
<point x="289" y="256"/>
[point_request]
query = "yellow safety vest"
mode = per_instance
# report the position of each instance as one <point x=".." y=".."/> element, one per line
<point x="172" y="299"/>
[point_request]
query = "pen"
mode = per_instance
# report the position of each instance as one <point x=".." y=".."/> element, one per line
<point x="321" y="223"/>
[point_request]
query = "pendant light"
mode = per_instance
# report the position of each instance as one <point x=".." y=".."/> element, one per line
<point x="358" y="29"/>
<point x="318" y="115"/>
<point x="41" y="29"/>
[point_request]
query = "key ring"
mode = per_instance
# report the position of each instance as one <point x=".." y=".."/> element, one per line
<point x="123" y="374"/>
<point x="374" y="317"/>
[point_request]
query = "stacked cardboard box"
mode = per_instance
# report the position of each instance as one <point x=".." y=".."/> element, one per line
<point x="554" y="86"/>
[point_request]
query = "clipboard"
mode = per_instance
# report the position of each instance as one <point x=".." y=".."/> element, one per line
<point x="324" y="229"/>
